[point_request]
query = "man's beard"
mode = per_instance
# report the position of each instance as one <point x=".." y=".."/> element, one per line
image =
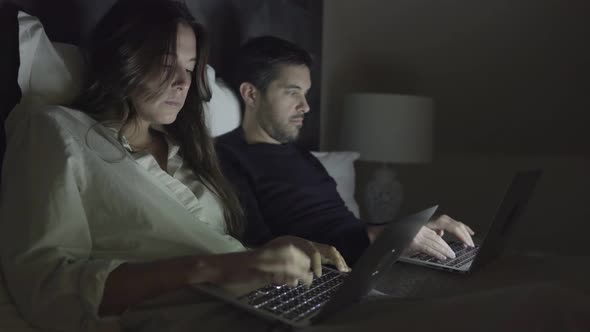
<point x="279" y="132"/>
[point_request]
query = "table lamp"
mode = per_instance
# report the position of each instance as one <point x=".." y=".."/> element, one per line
<point x="388" y="129"/>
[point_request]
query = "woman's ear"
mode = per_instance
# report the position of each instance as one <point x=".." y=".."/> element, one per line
<point x="249" y="95"/>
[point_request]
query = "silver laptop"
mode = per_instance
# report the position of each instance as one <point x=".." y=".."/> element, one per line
<point x="301" y="306"/>
<point x="490" y="246"/>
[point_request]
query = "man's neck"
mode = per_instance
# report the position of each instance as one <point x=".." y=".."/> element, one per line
<point x="253" y="132"/>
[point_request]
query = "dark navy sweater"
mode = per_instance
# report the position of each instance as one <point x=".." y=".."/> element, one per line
<point x="286" y="191"/>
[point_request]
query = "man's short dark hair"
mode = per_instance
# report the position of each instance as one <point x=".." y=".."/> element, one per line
<point x="259" y="61"/>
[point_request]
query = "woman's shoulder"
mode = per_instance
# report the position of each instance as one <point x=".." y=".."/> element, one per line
<point x="66" y="117"/>
<point x="48" y="121"/>
<point x="30" y="110"/>
<point x="53" y="116"/>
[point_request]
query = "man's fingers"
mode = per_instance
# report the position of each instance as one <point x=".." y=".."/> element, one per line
<point x="443" y="248"/>
<point x="457" y="228"/>
<point x="428" y="242"/>
<point x="468" y="236"/>
<point x="439" y="245"/>
<point x="461" y="232"/>
<point x="432" y="252"/>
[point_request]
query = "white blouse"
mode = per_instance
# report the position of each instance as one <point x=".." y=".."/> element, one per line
<point x="183" y="183"/>
<point x="75" y="204"/>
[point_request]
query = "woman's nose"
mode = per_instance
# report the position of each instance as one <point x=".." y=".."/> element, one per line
<point x="182" y="79"/>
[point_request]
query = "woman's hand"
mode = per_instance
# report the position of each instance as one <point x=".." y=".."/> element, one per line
<point x="284" y="260"/>
<point x="276" y="264"/>
<point x="318" y="253"/>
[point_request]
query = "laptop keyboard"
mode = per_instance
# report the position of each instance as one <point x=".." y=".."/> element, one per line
<point x="298" y="302"/>
<point x="463" y="255"/>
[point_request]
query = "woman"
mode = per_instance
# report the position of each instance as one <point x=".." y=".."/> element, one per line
<point x="124" y="201"/>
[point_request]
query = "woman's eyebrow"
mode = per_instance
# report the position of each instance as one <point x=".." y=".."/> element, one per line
<point x="174" y="55"/>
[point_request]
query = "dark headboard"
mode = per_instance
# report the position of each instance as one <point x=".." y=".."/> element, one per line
<point x="230" y="23"/>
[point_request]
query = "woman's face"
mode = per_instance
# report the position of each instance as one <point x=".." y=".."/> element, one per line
<point x="164" y="108"/>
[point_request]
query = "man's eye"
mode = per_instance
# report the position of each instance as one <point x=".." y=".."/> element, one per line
<point x="190" y="71"/>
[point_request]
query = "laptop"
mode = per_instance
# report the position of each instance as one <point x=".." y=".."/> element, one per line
<point x="333" y="291"/>
<point x="490" y="246"/>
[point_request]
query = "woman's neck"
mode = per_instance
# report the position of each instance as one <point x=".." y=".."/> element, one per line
<point x="138" y="134"/>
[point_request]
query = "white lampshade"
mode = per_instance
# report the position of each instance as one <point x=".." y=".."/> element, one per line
<point x="388" y="127"/>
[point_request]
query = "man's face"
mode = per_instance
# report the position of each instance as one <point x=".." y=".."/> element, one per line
<point x="283" y="106"/>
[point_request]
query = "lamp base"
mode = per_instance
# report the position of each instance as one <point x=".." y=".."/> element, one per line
<point x="383" y="196"/>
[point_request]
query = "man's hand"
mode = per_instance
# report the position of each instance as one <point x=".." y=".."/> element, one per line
<point x="457" y="228"/>
<point x="429" y="239"/>
<point x="373" y="232"/>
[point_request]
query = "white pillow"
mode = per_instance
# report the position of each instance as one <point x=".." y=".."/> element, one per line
<point x="340" y="166"/>
<point x="223" y="110"/>
<point x="52" y="73"/>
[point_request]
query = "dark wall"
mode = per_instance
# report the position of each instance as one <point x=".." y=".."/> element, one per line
<point x="507" y="76"/>
<point x="9" y="61"/>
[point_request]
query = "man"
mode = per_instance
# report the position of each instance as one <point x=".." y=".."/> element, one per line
<point x="283" y="189"/>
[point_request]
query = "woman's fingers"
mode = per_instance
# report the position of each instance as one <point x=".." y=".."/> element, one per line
<point x="286" y="265"/>
<point x="288" y="258"/>
<point x="316" y="259"/>
<point x="331" y="255"/>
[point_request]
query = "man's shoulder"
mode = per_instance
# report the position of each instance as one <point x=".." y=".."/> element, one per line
<point x="231" y="148"/>
<point x="232" y="138"/>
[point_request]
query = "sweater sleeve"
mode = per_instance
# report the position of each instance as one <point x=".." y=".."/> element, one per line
<point x="45" y="239"/>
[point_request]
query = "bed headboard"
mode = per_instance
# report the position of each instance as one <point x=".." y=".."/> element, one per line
<point x="230" y="23"/>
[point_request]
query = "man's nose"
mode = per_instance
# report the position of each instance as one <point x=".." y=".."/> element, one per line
<point x="304" y="106"/>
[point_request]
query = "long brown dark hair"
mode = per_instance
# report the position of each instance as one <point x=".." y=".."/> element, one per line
<point x="129" y="45"/>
